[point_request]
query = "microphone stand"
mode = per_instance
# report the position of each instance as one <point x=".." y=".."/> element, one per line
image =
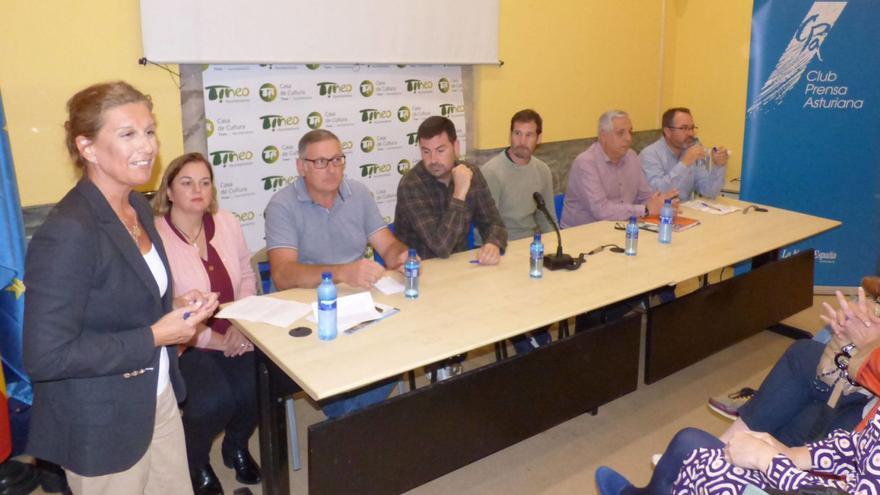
<point x="559" y="260"/>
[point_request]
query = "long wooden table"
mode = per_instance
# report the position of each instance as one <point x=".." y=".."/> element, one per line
<point x="463" y="306"/>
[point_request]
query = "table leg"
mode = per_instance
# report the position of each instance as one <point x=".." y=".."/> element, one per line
<point x="273" y="429"/>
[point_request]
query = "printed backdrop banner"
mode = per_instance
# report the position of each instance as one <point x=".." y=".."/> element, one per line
<point x="256" y="114"/>
<point x="812" y="134"/>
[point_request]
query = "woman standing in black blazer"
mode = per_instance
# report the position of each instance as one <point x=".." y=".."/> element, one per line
<point x="100" y="333"/>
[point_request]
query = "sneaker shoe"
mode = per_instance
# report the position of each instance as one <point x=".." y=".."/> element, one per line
<point x="456" y="369"/>
<point x="728" y="405"/>
<point x="610" y="482"/>
<point x="443" y="373"/>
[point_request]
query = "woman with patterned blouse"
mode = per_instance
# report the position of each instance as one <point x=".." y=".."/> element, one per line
<point x="696" y="462"/>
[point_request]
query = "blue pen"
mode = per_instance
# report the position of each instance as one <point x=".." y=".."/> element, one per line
<point x="186" y="315"/>
<point x="475" y="262"/>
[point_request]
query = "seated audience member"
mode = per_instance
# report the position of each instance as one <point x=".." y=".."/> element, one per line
<point x="323" y="222"/>
<point x="437" y="201"/>
<point x="513" y="176"/>
<point x="696" y="462"/>
<point x="606" y="181"/>
<point x="672" y="162"/>
<point x="791" y="400"/>
<point x="207" y="252"/>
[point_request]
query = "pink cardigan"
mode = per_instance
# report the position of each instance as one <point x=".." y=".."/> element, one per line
<point x="188" y="272"/>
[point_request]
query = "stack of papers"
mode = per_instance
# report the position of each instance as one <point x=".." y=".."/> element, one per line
<point x="353" y="312"/>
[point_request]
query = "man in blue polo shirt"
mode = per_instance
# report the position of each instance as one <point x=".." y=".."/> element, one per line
<point x="323" y="223"/>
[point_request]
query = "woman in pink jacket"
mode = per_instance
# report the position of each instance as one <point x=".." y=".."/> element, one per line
<point x="206" y="251"/>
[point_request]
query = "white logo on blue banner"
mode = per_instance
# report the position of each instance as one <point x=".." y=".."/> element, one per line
<point x="804" y="45"/>
<point x="812" y="124"/>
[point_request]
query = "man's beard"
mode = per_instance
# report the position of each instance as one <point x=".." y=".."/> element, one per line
<point x="521" y="152"/>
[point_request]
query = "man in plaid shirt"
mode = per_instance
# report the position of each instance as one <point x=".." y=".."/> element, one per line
<point x="439" y="198"/>
<point x="437" y="201"/>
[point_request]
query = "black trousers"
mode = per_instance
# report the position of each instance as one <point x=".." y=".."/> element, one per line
<point x="221" y="396"/>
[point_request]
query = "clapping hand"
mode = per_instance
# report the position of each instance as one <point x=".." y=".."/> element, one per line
<point x="856" y="323"/>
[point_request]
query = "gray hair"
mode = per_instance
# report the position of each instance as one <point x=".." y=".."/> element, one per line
<point x="315" y="136"/>
<point x="606" y="120"/>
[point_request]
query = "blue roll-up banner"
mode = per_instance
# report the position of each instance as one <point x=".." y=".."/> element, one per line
<point x="812" y="133"/>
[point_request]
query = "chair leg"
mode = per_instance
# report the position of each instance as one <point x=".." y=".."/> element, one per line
<point x="563" y="329"/>
<point x="412" y="379"/>
<point x="292" y="434"/>
<point x="500" y="350"/>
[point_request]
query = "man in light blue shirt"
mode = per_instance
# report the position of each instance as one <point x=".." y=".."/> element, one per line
<point x="678" y="161"/>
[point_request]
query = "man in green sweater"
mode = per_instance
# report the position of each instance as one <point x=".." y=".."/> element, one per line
<point x="513" y="176"/>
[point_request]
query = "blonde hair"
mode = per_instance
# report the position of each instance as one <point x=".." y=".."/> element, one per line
<point x="85" y="112"/>
<point x="161" y="203"/>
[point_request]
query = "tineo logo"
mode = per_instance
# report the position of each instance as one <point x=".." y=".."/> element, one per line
<point x="369" y="115"/>
<point x="268" y="92"/>
<point x="329" y="89"/>
<point x="229" y="157"/>
<point x="346" y="145"/>
<point x="412" y="138"/>
<point x="404" y="113"/>
<point x="447" y="109"/>
<point x="245" y="216"/>
<point x="368" y="144"/>
<point x="314" y="120"/>
<point x="274" y="121"/>
<point x="367" y="88"/>
<point x="443" y="85"/>
<point x="209" y="127"/>
<point x="271" y="154"/>
<point x="275" y="182"/>
<point x="403" y="166"/>
<point x="418" y="86"/>
<point x="221" y="93"/>
<point x="370" y="169"/>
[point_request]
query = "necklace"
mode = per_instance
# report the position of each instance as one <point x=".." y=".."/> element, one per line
<point x="134" y="231"/>
<point x="191" y="240"/>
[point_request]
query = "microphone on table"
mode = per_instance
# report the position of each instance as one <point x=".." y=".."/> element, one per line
<point x="559" y="260"/>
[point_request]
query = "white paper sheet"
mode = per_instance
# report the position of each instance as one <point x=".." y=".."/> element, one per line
<point x="351" y="310"/>
<point x="264" y="309"/>
<point x="388" y="285"/>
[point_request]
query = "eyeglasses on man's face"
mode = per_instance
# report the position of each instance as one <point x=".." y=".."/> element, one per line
<point x="319" y="163"/>
<point x="685" y="128"/>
